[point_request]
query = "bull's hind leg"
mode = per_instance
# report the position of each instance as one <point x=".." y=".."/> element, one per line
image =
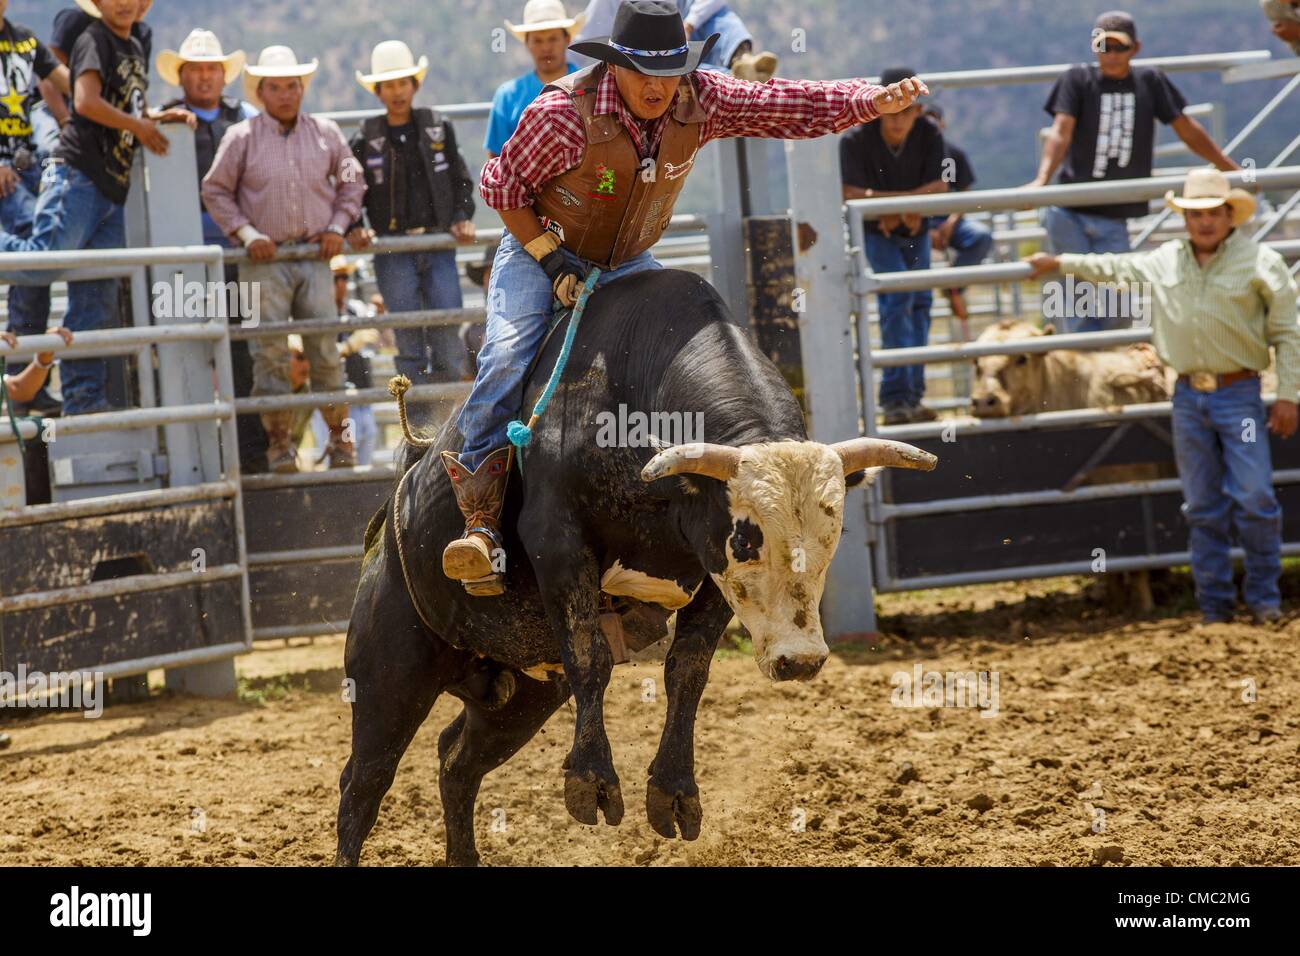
<point x="671" y="794"/>
<point x="476" y="743"/>
<point x="398" y="670"/>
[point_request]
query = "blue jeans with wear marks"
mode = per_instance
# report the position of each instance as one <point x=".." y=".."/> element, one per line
<point x="519" y="299"/>
<point x="904" y="316"/>
<point x="1221" y="445"/>
<point x="415" y="282"/>
<point x="71" y="213"/>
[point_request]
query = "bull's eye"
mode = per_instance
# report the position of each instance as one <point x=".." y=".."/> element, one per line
<point x="746" y="540"/>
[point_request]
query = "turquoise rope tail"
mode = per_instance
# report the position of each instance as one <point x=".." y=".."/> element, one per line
<point x="519" y="433"/>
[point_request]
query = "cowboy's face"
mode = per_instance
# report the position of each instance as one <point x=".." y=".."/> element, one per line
<point x="1114" y="57"/>
<point x="202" y="83"/>
<point x="396" y="95"/>
<point x="547" y="48"/>
<point x="895" y="127"/>
<point x="1207" y="228"/>
<point x="648" y="97"/>
<point x="119" y="14"/>
<point x="281" y="95"/>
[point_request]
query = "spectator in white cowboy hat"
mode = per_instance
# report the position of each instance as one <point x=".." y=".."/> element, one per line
<point x="416" y="182"/>
<point x="734" y="50"/>
<point x="203" y="70"/>
<point x="85" y="184"/>
<point x="1285" y="17"/>
<point x="286" y="176"/>
<point x="1220" y="300"/>
<point x="546" y="32"/>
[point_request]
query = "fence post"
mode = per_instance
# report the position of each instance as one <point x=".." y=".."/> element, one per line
<point x="822" y="303"/>
<point x="726" y="228"/>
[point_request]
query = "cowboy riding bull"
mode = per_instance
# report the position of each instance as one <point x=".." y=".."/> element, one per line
<point x="745" y="523"/>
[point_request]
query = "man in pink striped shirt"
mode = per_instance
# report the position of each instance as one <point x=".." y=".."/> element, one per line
<point x="589" y="178"/>
<point x="285" y="176"/>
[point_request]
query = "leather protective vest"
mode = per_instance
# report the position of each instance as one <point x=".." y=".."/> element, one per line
<point x="207" y="135"/>
<point x="613" y="205"/>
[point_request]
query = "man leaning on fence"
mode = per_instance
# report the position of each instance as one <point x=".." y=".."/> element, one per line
<point x="1220" y="299"/>
<point x="285" y="176"/>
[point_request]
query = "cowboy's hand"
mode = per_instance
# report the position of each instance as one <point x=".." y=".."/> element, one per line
<point x="261" y="250"/>
<point x="565" y="278"/>
<point x="1282" y="420"/>
<point x="360" y="238"/>
<point x="331" y="244"/>
<point x="46" y="358"/>
<point x="897" y="97"/>
<point x="912" y="221"/>
<point x="937" y="240"/>
<point x="9" y="339"/>
<point x="463" y="231"/>
<point x="177" y="115"/>
<point x="1041" y="262"/>
<point x="889" y="223"/>
<point x="147" y="132"/>
<point x="8" y="180"/>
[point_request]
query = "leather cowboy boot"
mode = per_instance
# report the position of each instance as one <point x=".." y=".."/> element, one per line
<point x="281" y="455"/>
<point x="339" y="451"/>
<point x="480" y="495"/>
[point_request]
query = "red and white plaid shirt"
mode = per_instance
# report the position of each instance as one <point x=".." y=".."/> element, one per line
<point x="550" y="139"/>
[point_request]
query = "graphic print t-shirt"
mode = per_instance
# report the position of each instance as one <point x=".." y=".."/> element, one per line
<point x="102" y="153"/>
<point x="1114" y="133"/>
<point x="23" y="60"/>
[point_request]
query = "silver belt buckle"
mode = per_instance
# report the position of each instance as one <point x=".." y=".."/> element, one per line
<point x="1204" y="381"/>
<point x="417" y="231"/>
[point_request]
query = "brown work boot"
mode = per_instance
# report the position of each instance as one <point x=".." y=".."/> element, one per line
<point x="480" y="496"/>
<point x="339" y="450"/>
<point x="281" y="454"/>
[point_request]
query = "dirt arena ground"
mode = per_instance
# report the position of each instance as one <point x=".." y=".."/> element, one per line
<point x="1144" y="730"/>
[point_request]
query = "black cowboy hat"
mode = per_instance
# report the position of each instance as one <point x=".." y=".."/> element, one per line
<point x="649" y="37"/>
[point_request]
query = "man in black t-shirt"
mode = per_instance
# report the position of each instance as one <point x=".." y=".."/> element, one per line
<point x="1103" y="128"/>
<point x="85" y="183"/>
<point x="898" y="155"/>
<point x="24" y="62"/>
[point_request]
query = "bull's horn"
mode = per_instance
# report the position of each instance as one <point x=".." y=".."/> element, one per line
<point x="860" y="453"/>
<point x="697" y="458"/>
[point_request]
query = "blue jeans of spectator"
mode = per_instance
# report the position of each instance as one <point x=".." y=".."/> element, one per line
<point x="1072" y="231"/>
<point x="732" y="30"/>
<point x="415" y="282"/>
<point x="970" y="242"/>
<point x="519" y="299"/>
<point x="904" y="316"/>
<point x="71" y="213"/>
<point x="29" y="305"/>
<point x="1221" y="445"/>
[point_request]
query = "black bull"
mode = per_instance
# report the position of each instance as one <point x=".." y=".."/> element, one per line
<point x="657" y="340"/>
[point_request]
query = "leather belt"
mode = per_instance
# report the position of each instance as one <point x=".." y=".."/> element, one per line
<point x="1210" y="382"/>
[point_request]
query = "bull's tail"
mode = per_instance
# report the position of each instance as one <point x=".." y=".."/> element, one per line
<point x="397" y="386"/>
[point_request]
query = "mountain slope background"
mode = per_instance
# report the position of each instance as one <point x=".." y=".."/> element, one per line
<point x="470" y="53"/>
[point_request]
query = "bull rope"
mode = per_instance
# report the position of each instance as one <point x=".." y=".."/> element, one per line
<point x="519" y="433"/>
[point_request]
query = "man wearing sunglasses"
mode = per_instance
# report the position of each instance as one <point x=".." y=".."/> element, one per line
<point x="1103" y="128"/>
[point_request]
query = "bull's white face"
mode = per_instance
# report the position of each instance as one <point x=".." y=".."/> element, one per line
<point x="1007" y="384"/>
<point x="786" y="505"/>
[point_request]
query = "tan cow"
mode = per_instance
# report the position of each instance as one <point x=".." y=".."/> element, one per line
<point x="1064" y="379"/>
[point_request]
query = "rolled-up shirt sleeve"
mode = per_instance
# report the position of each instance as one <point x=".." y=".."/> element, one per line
<point x="781" y="108"/>
<point x="220" y="186"/>
<point x="548" y="141"/>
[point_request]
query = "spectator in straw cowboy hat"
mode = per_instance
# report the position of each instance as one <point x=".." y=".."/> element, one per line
<point x="286" y="176"/>
<point x="1220" y="301"/>
<point x="202" y="71"/>
<point x="546" y="32"/>
<point x="567" y="209"/>
<point x="416" y="183"/>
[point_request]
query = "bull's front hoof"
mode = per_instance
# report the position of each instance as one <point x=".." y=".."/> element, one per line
<point x="584" y="793"/>
<point x="679" y="807"/>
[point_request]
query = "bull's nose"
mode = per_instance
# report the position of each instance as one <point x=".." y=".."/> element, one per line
<point x="788" y="667"/>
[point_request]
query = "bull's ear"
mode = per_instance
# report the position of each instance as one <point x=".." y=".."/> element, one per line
<point x="1049" y="328"/>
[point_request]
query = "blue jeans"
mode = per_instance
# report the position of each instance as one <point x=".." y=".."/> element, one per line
<point x="414" y="282"/>
<point x="45" y="130"/>
<point x="71" y="213"/>
<point x="904" y="316"/>
<point x="29" y="305"/>
<point x="519" y="301"/>
<point x="726" y="23"/>
<point x="1072" y="231"/>
<point x="1228" y="483"/>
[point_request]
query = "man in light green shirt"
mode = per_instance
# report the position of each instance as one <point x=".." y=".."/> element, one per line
<point x="1218" y="301"/>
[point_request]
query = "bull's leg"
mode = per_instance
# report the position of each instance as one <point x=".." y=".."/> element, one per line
<point x="570" y="590"/>
<point x="398" y="669"/>
<point x="671" y="794"/>
<point x="476" y="743"/>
